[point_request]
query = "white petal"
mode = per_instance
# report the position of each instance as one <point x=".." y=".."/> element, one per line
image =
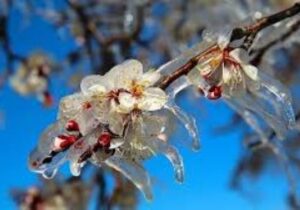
<point x="97" y="90"/>
<point x="250" y="71"/>
<point x="227" y="74"/>
<point x="152" y="99"/>
<point x="94" y="83"/>
<point x="150" y="78"/>
<point x="70" y="105"/>
<point x="130" y="70"/>
<point x="240" y="55"/>
<point x="127" y="103"/>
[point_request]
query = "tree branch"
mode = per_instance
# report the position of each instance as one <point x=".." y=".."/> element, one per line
<point x="249" y="31"/>
<point x="265" y="22"/>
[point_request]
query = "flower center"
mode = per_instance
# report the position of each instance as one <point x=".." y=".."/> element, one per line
<point x="137" y="90"/>
<point x="229" y="59"/>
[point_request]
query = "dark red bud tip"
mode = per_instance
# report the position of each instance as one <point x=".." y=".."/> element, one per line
<point x="72" y="125"/>
<point x="214" y="93"/>
<point x="62" y="142"/>
<point x="104" y="139"/>
<point x="47" y="99"/>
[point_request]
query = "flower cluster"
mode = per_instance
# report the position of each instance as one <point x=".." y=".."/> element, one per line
<point x="32" y="78"/>
<point x="117" y="120"/>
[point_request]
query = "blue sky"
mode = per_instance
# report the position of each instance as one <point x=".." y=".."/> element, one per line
<point x="207" y="172"/>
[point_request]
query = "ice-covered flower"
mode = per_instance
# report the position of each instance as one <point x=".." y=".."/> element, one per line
<point x="125" y="87"/>
<point x="119" y="120"/>
<point x="226" y="70"/>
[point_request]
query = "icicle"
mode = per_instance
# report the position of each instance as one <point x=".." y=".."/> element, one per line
<point x="177" y="86"/>
<point x="256" y="105"/>
<point x="75" y="168"/>
<point x="134" y="172"/>
<point x="44" y="163"/>
<point x="248" y="116"/>
<point x="50" y="173"/>
<point x="274" y="91"/>
<point x="188" y="122"/>
<point x="173" y="155"/>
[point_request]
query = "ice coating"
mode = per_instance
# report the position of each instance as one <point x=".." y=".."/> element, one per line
<point x="119" y="120"/>
<point x="134" y="172"/>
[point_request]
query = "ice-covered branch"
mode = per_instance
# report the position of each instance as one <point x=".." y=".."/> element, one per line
<point x="260" y="52"/>
<point x="237" y="33"/>
<point x="262" y="23"/>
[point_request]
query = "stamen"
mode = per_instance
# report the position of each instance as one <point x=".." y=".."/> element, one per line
<point x="87" y="105"/>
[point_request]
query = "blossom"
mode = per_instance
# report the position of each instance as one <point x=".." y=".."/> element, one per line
<point x="226" y="71"/>
<point x="32" y="78"/>
<point x="118" y="120"/>
<point x="125" y="88"/>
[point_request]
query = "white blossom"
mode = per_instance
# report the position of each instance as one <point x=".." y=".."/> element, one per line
<point x="119" y="120"/>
